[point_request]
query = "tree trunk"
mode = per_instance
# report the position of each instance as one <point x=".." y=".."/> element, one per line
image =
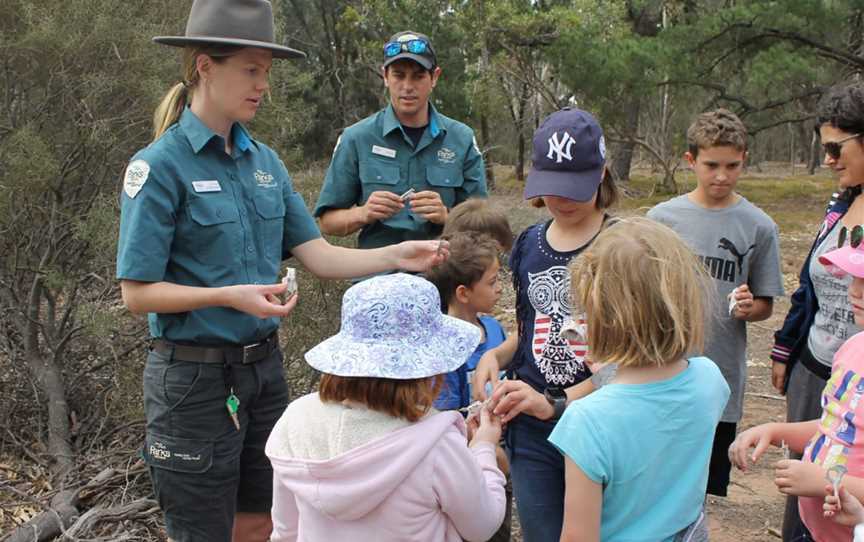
<point x="669" y="186"/>
<point x="520" y="156"/>
<point x="48" y="375"/>
<point x="487" y="158"/>
<point x="622" y="152"/>
<point x="815" y="154"/>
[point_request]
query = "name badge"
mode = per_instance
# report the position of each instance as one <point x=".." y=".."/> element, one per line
<point x="383" y="151"/>
<point x="206" y="186"/>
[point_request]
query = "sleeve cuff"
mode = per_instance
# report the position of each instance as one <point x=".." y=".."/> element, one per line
<point x="780" y="354"/>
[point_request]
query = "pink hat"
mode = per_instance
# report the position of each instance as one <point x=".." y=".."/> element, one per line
<point x="845" y="260"/>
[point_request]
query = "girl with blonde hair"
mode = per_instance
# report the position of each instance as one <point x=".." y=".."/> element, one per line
<point x="644" y="295"/>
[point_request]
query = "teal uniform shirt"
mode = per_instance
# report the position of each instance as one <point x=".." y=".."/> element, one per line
<point x="376" y="154"/>
<point x="193" y="215"/>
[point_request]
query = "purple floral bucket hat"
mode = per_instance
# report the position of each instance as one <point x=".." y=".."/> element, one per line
<point x="392" y="327"/>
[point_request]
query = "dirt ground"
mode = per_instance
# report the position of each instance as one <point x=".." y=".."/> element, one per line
<point x="753" y="510"/>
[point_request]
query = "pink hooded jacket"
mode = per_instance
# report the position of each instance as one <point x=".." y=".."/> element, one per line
<point x="408" y="482"/>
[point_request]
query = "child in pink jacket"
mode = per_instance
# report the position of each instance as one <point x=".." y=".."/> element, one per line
<point x="367" y="458"/>
<point x="835" y="442"/>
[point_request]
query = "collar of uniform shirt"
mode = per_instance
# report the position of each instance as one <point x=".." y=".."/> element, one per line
<point x="392" y="123"/>
<point x="199" y="134"/>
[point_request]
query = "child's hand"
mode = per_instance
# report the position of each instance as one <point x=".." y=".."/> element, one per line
<point x="778" y="376"/>
<point x="845" y="509"/>
<point x="759" y="437"/>
<point x="488" y="430"/>
<point x="514" y="397"/>
<point x="796" y="477"/>
<point x="486" y="371"/>
<point x="743" y="302"/>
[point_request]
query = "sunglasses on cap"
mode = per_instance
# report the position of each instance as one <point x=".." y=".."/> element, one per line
<point x="856" y="235"/>
<point x="833" y="148"/>
<point x="416" y="46"/>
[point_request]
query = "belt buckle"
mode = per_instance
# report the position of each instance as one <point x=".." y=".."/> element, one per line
<point x="247" y="351"/>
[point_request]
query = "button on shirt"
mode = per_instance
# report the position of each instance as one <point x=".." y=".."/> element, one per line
<point x="376" y="154"/>
<point x="193" y="215"/>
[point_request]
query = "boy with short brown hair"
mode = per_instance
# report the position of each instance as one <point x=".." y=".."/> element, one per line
<point x="476" y="215"/>
<point x="738" y="244"/>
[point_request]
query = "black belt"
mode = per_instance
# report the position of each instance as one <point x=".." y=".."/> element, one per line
<point x="814" y="365"/>
<point x="245" y="355"/>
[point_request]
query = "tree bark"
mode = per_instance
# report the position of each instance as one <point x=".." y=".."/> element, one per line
<point x="49" y="524"/>
<point x="487" y="158"/>
<point x="815" y="154"/>
<point x="48" y="375"/>
<point x="623" y="151"/>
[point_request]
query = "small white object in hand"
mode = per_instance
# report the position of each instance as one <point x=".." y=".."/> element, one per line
<point x="290" y="280"/>
<point x="407" y="195"/>
<point x="732" y="301"/>
<point x="834" y="475"/>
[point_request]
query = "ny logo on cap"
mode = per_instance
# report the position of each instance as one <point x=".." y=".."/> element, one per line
<point x="561" y="148"/>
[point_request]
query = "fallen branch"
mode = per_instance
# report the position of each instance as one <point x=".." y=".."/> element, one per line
<point x="766" y="396"/>
<point x="51" y="523"/>
<point x="62" y="513"/>
<point x="136" y="510"/>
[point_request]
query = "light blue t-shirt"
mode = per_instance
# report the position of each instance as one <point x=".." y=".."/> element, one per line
<point x="648" y="445"/>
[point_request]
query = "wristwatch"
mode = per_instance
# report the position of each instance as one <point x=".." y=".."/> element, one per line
<point x="557" y="398"/>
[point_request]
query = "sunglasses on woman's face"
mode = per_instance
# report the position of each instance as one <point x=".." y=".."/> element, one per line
<point x="856" y="235"/>
<point x="834" y="148"/>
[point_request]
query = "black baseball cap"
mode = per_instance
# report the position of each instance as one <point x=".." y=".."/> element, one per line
<point x="425" y="58"/>
<point x="568" y="157"/>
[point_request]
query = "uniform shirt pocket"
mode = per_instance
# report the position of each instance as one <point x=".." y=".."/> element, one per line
<point x="215" y="230"/>
<point x="378" y="175"/>
<point x="270" y="208"/>
<point x="445" y="181"/>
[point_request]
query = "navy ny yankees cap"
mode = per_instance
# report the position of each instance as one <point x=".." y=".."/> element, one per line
<point x="568" y="158"/>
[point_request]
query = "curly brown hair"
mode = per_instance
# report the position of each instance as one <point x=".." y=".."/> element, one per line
<point x="718" y="128"/>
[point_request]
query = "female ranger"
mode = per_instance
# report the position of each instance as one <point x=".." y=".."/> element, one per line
<point x="207" y="215"/>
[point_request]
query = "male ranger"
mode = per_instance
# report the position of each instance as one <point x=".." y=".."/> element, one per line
<point x="394" y="175"/>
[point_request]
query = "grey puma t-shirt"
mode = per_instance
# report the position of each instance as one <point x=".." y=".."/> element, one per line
<point x="738" y="245"/>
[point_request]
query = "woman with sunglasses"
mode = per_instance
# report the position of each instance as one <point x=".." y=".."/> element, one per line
<point x="820" y="319"/>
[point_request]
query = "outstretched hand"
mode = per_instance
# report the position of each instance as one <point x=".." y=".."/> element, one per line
<point x="421" y="255"/>
<point x="758" y="437"/>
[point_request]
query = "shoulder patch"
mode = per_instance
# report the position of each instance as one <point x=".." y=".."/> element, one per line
<point x="136" y="175"/>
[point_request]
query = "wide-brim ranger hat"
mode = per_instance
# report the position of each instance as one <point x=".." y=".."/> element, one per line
<point x="392" y="327"/>
<point x="244" y="23"/>
<point x="568" y="156"/>
<point x="845" y="260"/>
<point x="425" y="58"/>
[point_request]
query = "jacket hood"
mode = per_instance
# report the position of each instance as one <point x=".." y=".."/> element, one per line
<point x="349" y="486"/>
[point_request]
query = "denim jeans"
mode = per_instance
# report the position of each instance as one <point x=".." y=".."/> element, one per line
<point x="537" y="471"/>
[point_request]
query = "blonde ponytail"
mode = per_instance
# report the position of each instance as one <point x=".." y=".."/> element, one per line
<point x="169" y="109"/>
<point x="175" y="100"/>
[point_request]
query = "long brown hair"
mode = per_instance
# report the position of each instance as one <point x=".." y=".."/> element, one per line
<point x="408" y="399"/>
<point x="172" y="104"/>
